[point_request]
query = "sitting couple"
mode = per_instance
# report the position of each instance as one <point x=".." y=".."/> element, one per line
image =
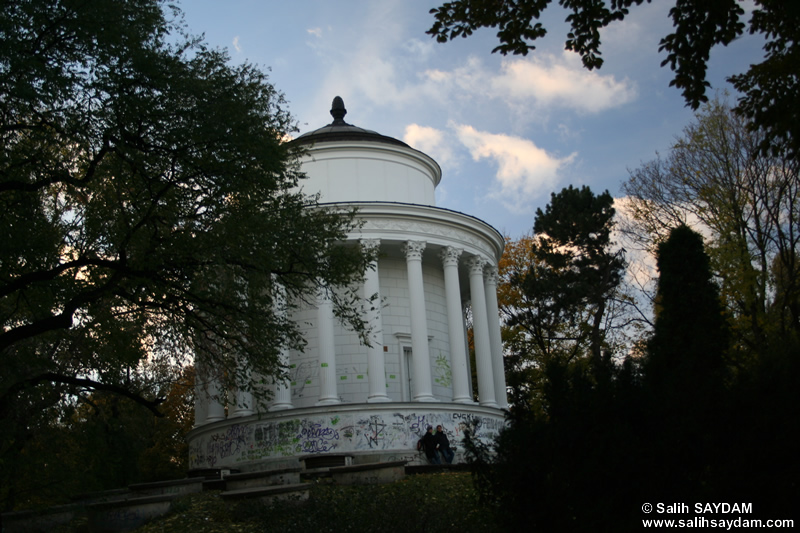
<point x="435" y="444"/>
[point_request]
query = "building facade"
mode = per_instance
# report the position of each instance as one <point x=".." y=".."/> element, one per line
<point x="372" y="403"/>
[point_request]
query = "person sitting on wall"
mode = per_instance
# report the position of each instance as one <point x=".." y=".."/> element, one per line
<point x="443" y="445"/>
<point x="429" y="447"/>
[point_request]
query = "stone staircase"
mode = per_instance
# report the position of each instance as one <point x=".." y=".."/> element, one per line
<point x="266" y="485"/>
<point x="127" y="509"/>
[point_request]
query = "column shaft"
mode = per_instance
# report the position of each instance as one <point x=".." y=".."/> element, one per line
<point x="215" y="407"/>
<point x="376" y="364"/>
<point x="495" y="339"/>
<point x="244" y="398"/>
<point x="283" y="388"/>
<point x="480" y="329"/>
<point x="420" y="354"/>
<point x="327" y="351"/>
<point x="455" y="323"/>
<point x="200" y="399"/>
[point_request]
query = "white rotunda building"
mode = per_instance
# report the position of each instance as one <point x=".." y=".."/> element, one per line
<point x="373" y="403"/>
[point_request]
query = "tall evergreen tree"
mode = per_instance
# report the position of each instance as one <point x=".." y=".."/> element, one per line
<point x="685" y="371"/>
<point x="686" y="353"/>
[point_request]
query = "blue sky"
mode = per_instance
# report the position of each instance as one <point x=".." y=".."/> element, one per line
<point x="506" y="130"/>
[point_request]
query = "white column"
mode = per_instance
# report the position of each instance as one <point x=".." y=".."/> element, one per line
<point x="244" y="398"/>
<point x="376" y="364"/>
<point x="200" y="400"/>
<point x="327" y="351"/>
<point x="420" y="355"/>
<point x="207" y="387"/>
<point x="465" y="334"/>
<point x="455" y="322"/>
<point x="480" y="327"/>
<point x="283" y="390"/>
<point x="215" y="407"/>
<point x="495" y="340"/>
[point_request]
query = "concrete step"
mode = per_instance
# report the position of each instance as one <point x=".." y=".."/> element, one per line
<point x="161" y="488"/>
<point x="368" y="473"/>
<point x="39" y="520"/>
<point x="263" y="478"/>
<point x="295" y="491"/>
<point x="324" y="461"/>
<point x="126" y="515"/>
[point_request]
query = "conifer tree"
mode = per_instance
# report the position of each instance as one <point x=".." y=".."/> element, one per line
<point x="686" y="354"/>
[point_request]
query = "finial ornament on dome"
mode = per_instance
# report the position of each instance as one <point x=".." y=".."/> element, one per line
<point x="338" y="111"/>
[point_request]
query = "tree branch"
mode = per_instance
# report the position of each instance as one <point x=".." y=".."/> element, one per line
<point x="151" y="405"/>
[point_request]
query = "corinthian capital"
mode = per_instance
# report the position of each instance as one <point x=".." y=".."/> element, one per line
<point x="413" y="250"/>
<point x="490" y="274"/>
<point x="476" y="264"/>
<point x="371" y="245"/>
<point x="450" y="255"/>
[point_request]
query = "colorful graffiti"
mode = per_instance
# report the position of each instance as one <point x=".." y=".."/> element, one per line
<point x="444" y="375"/>
<point x="383" y="431"/>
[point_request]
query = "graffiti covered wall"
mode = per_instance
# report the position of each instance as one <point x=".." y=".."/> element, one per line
<point x="380" y="431"/>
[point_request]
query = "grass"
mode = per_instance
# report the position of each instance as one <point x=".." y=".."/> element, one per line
<point x="429" y="502"/>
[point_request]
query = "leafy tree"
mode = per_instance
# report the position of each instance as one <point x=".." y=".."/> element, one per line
<point x="148" y="201"/>
<point x="524" y="379"/>
<point x="771" y="94"/>
<point x="676" y="421"/>
<point x="565" y="292"/>
<point x="717" y="180"/>
<point x="148" y="209"/>
<point x="100" y="441"/>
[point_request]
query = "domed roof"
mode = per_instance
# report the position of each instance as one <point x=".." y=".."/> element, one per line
<point x="339" y="130"/>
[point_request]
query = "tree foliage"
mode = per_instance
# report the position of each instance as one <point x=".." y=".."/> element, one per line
<point x="560" y="291"/>
<point x="98" y="441"/>
<point x="717" y="180"/>
<point x="148" y="207"/>
<point x="147" y="200"/>
<point x="561" y="286"/>
<point x="770" y="90"/>
<point x="690" y="338"/>
<point x="677" y="421"/>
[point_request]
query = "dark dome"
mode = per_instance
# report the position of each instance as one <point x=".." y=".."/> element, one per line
<point x="339" y="130"/>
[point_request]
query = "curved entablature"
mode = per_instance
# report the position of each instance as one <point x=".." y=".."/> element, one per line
<point x="394" y="221"/>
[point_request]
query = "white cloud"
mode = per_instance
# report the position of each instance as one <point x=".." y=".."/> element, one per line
<point x="419" y="49"/>
<point x="542" y="82"/>
<point x="561" y="81"/>
<point x="525" y="172"/>
<point x="315" y="31"/>
<point x="429" y="140"/>
<point x="236" y="45"/>
<point x="469" y="79"/>
<point x="370" y="60"/>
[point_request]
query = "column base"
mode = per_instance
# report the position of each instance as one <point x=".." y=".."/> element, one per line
<point x="280" y="407"/>
<point x="379" y="399"/>
<point x="429" y="399"/>
<point x="468" y="401"/>
<point x="329" y="401"/>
